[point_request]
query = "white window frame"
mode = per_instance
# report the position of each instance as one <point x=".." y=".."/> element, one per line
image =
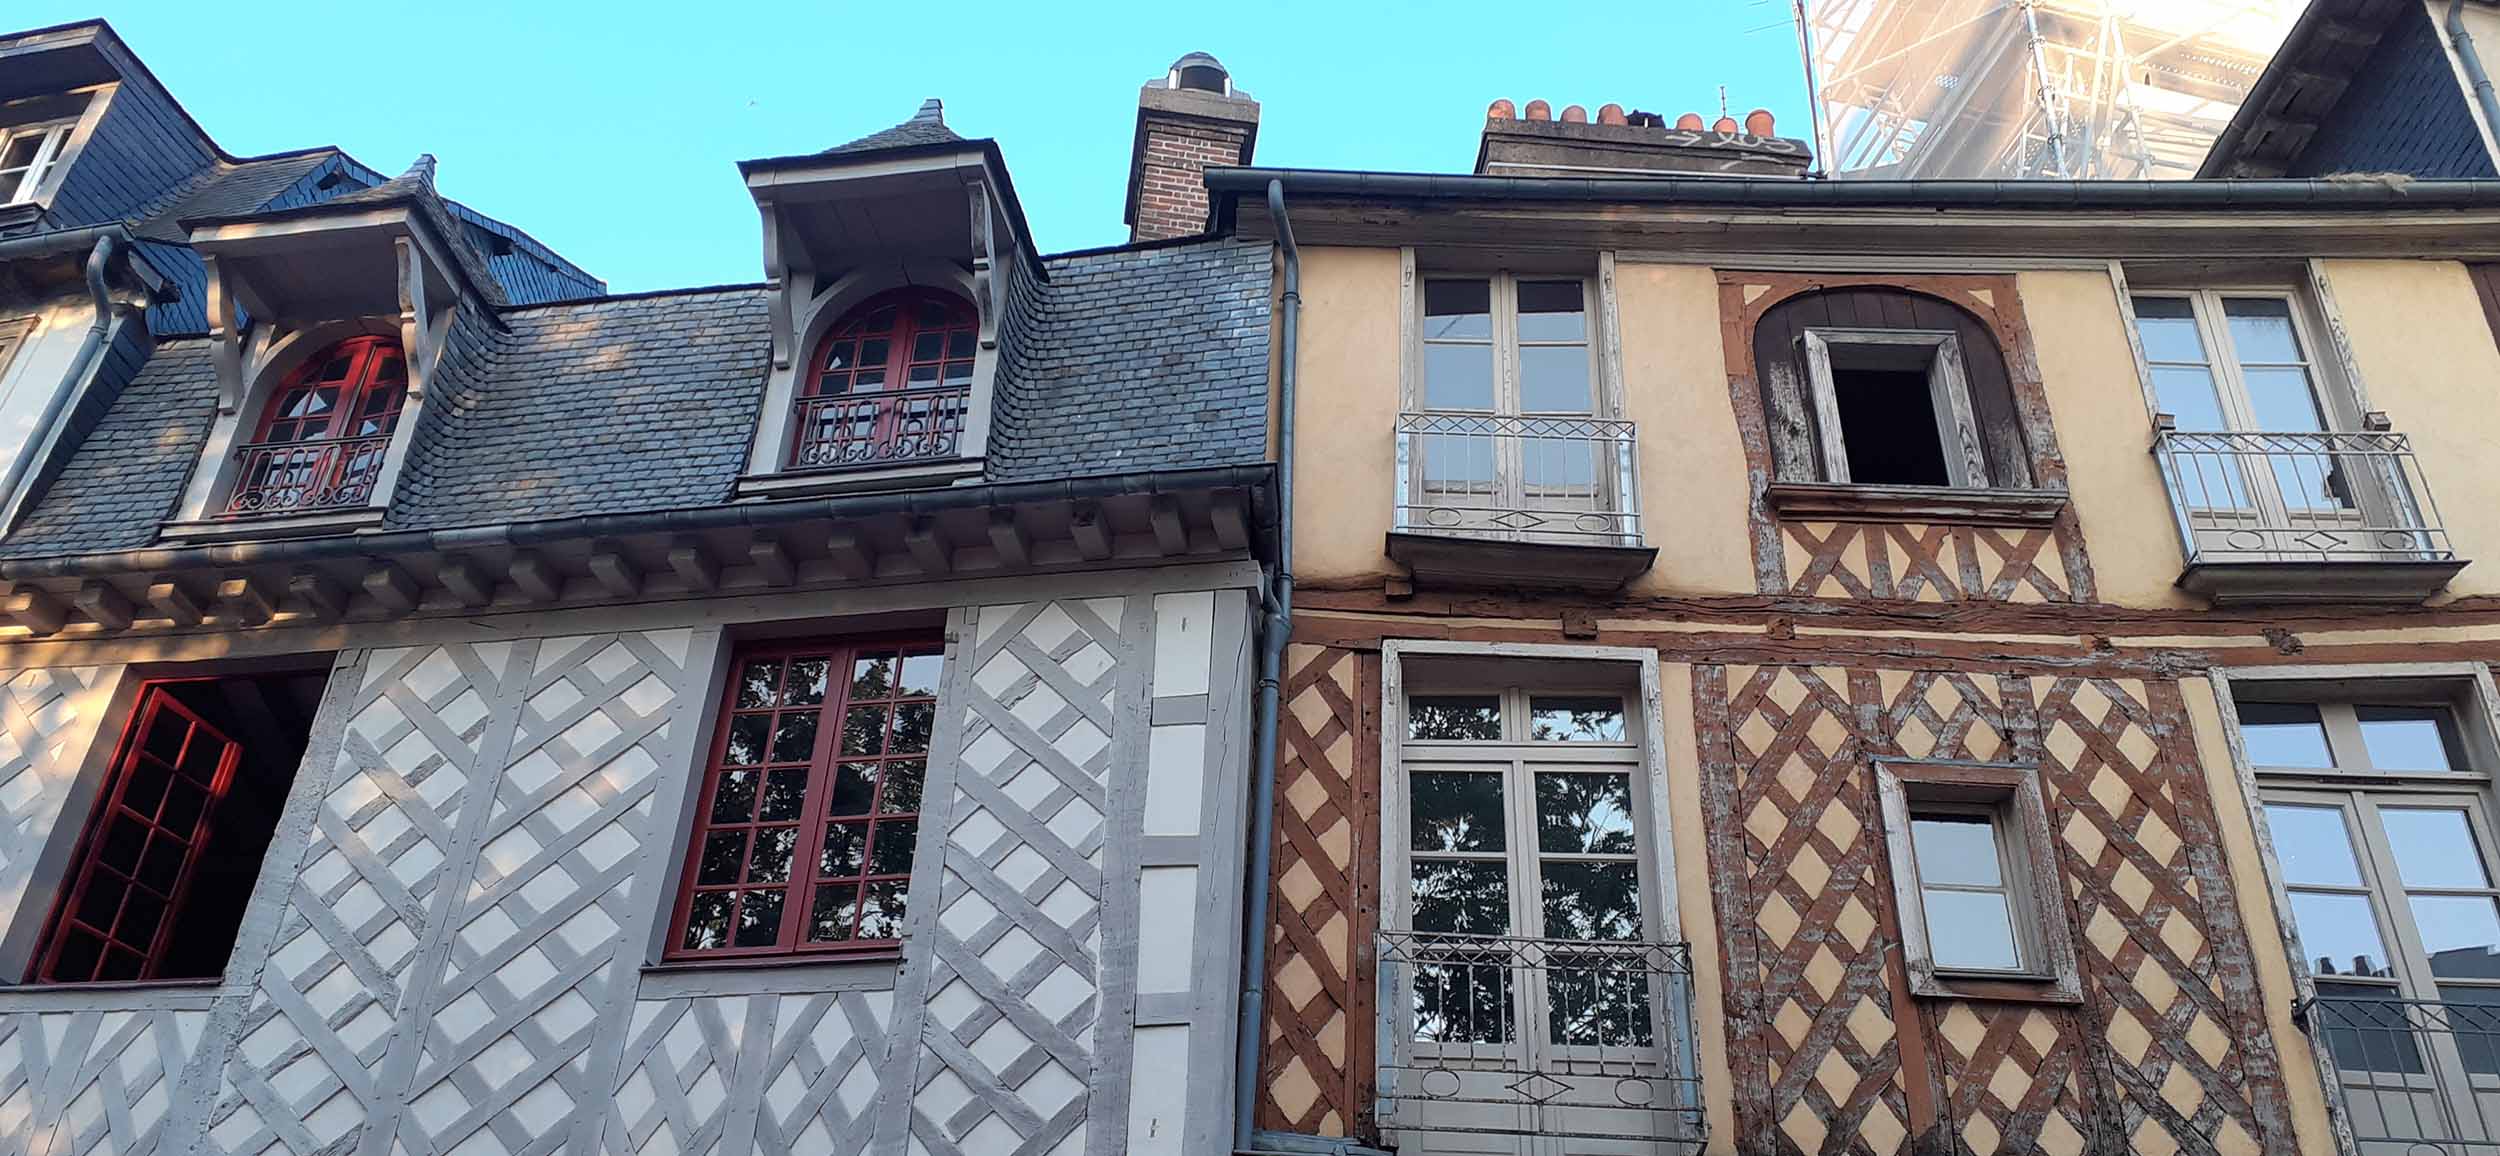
<point x="2009" y="795"/>
<point x="1506" y="343"/>
<point x="47" y="159"/>
<point x="1948" y="394"/>
<point x="2337" y="407"/>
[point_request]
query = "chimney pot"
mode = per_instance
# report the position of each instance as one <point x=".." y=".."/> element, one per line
<point x="1610" y="114"/>
<point x="1189" y="119"/>
<point x="1759" y="123"/>
<point x="1632" y="143"/>
<point x="1689" y="122"/>
<point x="1575" y="114"/>
<point x="1539" y="110"/>
<point x="1502" y="110"/>
<point x="1724" y="126"/>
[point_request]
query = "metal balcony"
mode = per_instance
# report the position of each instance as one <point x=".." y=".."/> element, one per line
<point x="2299" y="517"/>
<point x="1493" y="499"/>
<point x="307" y="477"/>
<point x="1538" y="1037"/>
<point x="869" y="430"/>
<point x="2414" y="1076"/>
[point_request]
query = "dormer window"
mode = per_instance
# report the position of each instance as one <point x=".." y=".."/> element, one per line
<point x="326" y="431"/>
<point x="28" y="154"/>
<point x="890" y="383"/>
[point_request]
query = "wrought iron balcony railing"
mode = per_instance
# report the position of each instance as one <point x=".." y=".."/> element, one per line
<point x="2416" y="1077"/>
<point x="307" y="477"/>
<point x="1541" y="1037"/>
<point x="1534" y="479"/>
<point x="862" y="430"/>
<point x="2344" y="496"/>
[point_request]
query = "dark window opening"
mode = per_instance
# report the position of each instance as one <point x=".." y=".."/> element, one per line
<point x="172" y="850"/>
<point x="1888" y="426"/>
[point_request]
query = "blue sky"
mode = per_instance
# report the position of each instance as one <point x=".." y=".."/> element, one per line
<point x="610" y="130"/>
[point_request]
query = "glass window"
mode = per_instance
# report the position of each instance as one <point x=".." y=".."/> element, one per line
<point x="2407" y="738"/>
<point x="804" y="837"/>
<point x="1454" y="717"/>
<point x="890" y="382"/>
<point x="1575" y="718"/>
<point x="1962" y="886"/>
<point x="28" y="155"/>
<point x="2284" y="735"/>
<point x="1509" y="345"/>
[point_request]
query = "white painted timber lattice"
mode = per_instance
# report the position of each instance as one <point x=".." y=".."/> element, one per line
<point x="99" y="1082"/>
<point x="48" y="719"/>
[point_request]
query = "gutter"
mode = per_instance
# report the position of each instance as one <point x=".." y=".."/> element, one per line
<point x="2281" y="195"/>
<point x="2462" y="39"/>
<point x="1279" y="627"/>
<point x="692" y="519"/>
<point x="107" y="324"/>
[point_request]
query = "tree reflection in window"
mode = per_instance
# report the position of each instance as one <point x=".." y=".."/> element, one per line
<point x="1575" y="718"/>
<point x="1454" y="717"/>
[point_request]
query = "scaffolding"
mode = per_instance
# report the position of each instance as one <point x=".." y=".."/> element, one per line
<point x="2013" y="89"/>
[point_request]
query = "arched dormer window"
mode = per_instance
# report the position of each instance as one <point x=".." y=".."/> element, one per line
<point x="890" y="383"/>
<point x="321" y="440"/>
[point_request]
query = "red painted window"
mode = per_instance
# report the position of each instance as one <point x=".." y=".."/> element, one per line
<point x="324" y="436"/>
<point x="135" y="862"/>
<point x="802" y="837"/>
<point x="890" y="383"/>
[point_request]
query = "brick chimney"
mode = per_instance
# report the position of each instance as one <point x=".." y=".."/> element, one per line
<point x="1188" y="119"/>
<point x="1633" y="144"/>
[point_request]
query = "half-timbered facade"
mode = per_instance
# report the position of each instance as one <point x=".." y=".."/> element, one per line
<point x="1830" y="667"/>
<point x="453" y="709"/>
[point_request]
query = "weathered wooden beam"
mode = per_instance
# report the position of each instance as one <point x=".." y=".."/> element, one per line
<point x="393" y="588"/>
<point x="849" y="557"/>
<point x="616" y="573"/>
<point x="1093" y="539"/>
<point x="1232" y="523"/>
<point x="102" y="601"/>
<point x="772" y="562"/>
<point x="535" y="577"/>
<point x="468" y="585"/>
<point x="38" y="610"/>
<point x="174" y="603"/>
<point x="927" y="548"/>
<point x="1163" y="513"/>
<point x="693" y="564"/>
<point x="1008" y="538"/>
<point x="247" y="599"/>
<point x="325" y="598"/>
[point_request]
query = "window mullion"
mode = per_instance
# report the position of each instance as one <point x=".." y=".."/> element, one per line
<point x="2379" y="867"/>
<point x="814" y="808"/>
<point x="2344" y="745"/>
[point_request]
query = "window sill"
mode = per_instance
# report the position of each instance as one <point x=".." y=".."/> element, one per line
<point x="1995" y="987"/>
<point x="1462" y="560"/>
<point x="1976" y="507"/>
<point x="773" y="975"/>
<point x="808" y="483"/>
<point x="254" y="527"/>
<point x="121" y="995"/>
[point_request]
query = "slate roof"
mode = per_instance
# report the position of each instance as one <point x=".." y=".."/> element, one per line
<point x="227" y="188"/>
<point x="927" y="126"/>
<point x="1136" y="359"/>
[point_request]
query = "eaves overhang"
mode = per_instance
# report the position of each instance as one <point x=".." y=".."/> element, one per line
<point x="2101" y="219"/>
<point x="777" y="177"/>
<point x="368" y="226"/>
<point x="1000" y="529"/>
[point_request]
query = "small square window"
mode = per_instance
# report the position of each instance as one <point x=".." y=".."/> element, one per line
<point x="1892" y="408"/>
<point x="1975" y="882"/>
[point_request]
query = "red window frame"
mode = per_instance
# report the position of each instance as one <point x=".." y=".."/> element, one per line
<point x="118" y="872"/>
<point x="854" y="750"/>
<point x="939" y="348"/>
<point x="366" y="393"/>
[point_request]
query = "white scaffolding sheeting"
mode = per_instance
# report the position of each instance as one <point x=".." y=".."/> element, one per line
<point x="2009" y="89"/>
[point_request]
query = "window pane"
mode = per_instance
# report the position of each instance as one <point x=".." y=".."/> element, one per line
<point x="2367" y="1029"/>
<point x="1552" y="311"/>
<point x="1466" y="717"/>
<point x="920" y="674"/>
<point x="2472" y="1014"/>
<point x="2167" y="327"/>
<point x="1602" y="1004"/>
<point x="759" y="918"/>
<point x="1958" y="849"/>
<point x="1592" y="900"/>
<point x="883" y="918"/>
<point x="1575" y="718"/>
<point x="2434" y="847"/>
<point x="2282" y="400"/>
<point x="2261" y="329"/>
<point x="2461" y="934"/>
<point x="2405" y="738"/>
<point x="2286" y="734"/>
<point x="1554" y="379"/>
<point x="1463" y="1002"/>
<point x="1579" y="813"/>
<point x="1456" y="810"/>
<point x="1462" y="309"/>
<point x="1466" y="897"/>
<point x="2337" y="934"/>
<point x="2313" y="845"/>
<point x="1458" y="377"/>
<point x="2188" y="394"/>
<point x="1970" y="929"/>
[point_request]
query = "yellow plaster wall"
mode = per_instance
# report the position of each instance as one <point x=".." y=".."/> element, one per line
<point x="2426" y="357"/>
<point x="1693" y="902"/>
<point x="1694" y="486"/>
<point x="1345" y="413"/>
<point x="2257" y="914"/>
<point x="2106" y="432"/>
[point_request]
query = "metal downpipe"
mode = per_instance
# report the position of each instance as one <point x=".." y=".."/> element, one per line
<point x="2462" y="39"/>
<point x="81" y="365"/>
<point x="1279" y="626"/>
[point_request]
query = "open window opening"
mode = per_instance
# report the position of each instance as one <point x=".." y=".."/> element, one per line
<point x="167" y="860"/>
<point x="1892" y="408"/>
